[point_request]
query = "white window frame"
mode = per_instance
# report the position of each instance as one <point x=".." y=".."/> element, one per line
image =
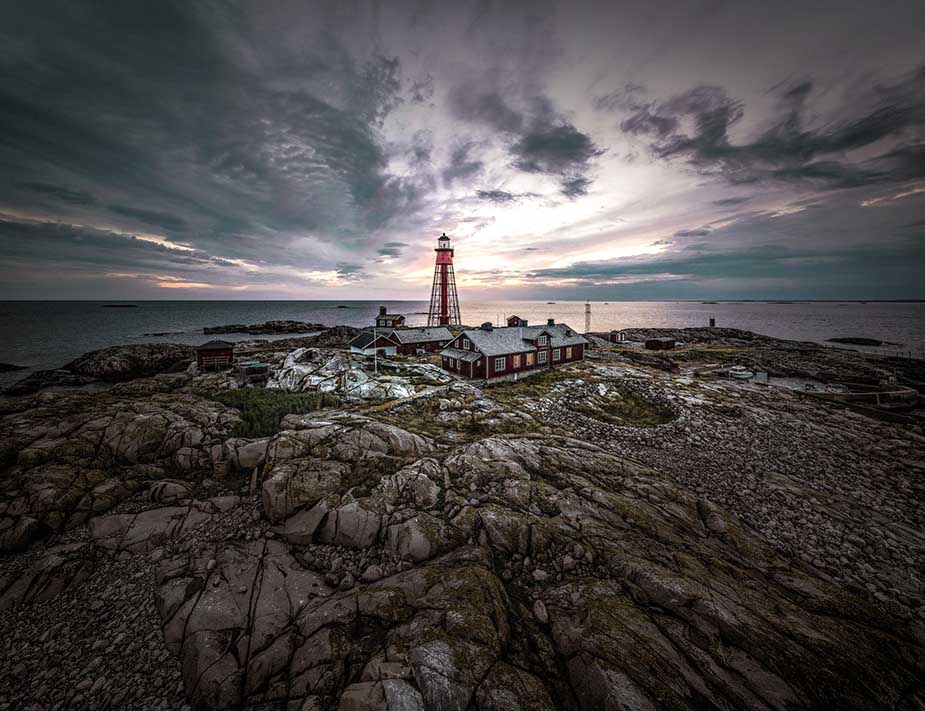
<point x="543" y="340"/>
<point x="503" y="361"/>
<point x="557" y="354"/>
<point x="541" y="358"/>
<point x="466" y="344"/>
<point x="568" y="352"/>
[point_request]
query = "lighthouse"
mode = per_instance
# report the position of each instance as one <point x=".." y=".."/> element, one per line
<point x="444" y="304"/>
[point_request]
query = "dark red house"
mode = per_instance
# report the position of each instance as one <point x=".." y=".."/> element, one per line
<point x="215" y="355"/>
<point x="490" y="353"/>
<point x="659" y="344"/>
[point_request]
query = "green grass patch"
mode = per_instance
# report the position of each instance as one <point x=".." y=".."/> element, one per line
<point x="710" y="354"/>
<point x="533" y="386"/>
<point x="263" y="410"/>
<point x="625" y="410"/>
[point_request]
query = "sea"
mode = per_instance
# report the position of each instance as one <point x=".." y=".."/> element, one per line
<point x="48" y="334"/>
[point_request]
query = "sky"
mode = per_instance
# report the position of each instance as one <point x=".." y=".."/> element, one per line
<point x="571" y="150"/>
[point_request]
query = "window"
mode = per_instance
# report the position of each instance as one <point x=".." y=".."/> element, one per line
<point x="557" y="354"/>
<point x="544" y="340"/>
<point x="541" y="357"/>
<point x="516" y="361"/>
<point x="466" y="344"/>
<point x="568" y="353"/>
<point x="499" y="364"/>
<point x="529" y="359"/>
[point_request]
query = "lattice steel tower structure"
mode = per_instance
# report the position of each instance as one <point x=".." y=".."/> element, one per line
<point x="444" y="304"/>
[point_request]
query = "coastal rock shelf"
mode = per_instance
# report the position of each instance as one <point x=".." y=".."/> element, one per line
<point x="609" y="535"/>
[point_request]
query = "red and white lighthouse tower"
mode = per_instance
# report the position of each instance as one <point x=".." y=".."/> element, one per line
<point x="444" y="304"/>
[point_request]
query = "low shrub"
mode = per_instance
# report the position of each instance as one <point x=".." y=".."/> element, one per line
<point x="262" y="410"/>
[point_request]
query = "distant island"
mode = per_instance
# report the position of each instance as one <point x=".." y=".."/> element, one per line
<point x="267" y="328"/>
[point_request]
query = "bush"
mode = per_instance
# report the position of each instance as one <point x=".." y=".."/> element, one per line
<point x="263" y="410"/>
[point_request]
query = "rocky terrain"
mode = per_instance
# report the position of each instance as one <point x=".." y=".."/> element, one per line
<point x="608" y="536"/>
<point x="266" y="328"/>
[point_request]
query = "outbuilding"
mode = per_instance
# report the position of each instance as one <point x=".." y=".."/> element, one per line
<point x="617" y="337"/>
<point x="215" y="355"/>
<point x="659" y="344"/>
<point x="369" y="343"/>
<point x="412" y="340"/>
<point x="387" y="320"/>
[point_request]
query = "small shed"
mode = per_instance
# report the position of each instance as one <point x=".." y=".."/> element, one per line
<point x="516" y="321"/>
<point x="215" y="355"/>
<point x="387" y="320"/>
<point x="659" y="344"/>
<point x="368" y="343"/>
<point x="617" y="337"/>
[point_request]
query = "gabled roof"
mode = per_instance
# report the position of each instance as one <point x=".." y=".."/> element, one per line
<point x="215" y="345"/>
<point x="421" y="335"/>
<point x="392" y="316"/>
<point x="365" y="340"/>
<point x="504" y="340"/>
<point x="499" y="341"/>
<point x="560" y="334"/>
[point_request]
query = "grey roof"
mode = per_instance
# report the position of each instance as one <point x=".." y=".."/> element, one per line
<point x="215" y="345"/>
<point x="365" y="339"/>
<point x="392" y="316"/>
<point x="560" y="335"/>
<point x="460" y="354"/>
<point x="504" y="340"/>
<point x="421" y="335"/>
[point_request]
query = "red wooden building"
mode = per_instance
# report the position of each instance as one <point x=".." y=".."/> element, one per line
<point x="489" y="353"/>
<point x="215" y="355"/>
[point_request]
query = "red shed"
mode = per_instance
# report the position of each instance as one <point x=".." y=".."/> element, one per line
<point x="215" y="355"/>
<point x="659" y="344"/>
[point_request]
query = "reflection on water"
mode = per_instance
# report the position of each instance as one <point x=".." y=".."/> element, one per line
<point x="49" y="334"/>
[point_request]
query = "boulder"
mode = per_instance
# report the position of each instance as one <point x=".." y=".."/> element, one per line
<point x="355" y="525"/>
<point x="138" y="360"/>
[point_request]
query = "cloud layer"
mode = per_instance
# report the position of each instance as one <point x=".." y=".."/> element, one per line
<point x="316" y="150"/>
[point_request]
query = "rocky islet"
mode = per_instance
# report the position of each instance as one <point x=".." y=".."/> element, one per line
<point x="446" y="549"/>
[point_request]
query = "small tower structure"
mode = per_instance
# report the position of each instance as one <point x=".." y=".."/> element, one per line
<point x="444" y="304"/>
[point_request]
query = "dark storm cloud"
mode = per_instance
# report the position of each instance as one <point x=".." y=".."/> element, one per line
<point x="21" y="241"/>
<point x="151" y="217"/>
<point x="540" y="140"/>
<point x="791" y="150"/>
<point x="463" y="164"/>
<point x="59" y="193"/>
<point x="224" y="138"/>
<point x="392" y="249"/>
<point x="732" y="201"/>
<point x="502" y="197"/>
<point x="699" y="232"/>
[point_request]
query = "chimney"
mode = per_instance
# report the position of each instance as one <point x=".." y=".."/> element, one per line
<point x="486" y="326"/>
<point x="550" y="322"/>
<point x="382" y="310"/>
